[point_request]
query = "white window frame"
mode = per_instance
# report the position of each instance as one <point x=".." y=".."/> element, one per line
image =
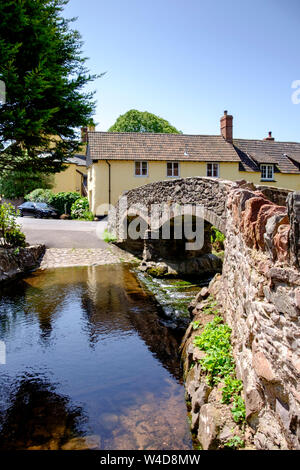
<point x="140" y="163"/>
<point x="267" y="169"/>
<point x="214" y="166"/>
<point x="172" y="175"/>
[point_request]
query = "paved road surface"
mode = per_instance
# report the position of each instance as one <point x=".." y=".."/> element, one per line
<point x="63" y="233"/>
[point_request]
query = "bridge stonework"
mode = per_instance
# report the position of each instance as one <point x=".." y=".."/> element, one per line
<point x="208" y="192"/>
<point x="259" y="291"/>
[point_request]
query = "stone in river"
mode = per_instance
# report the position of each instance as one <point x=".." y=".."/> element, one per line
<point x="83" y="443"/>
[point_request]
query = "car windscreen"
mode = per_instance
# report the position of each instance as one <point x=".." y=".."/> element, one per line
<point x="42" y="205"/>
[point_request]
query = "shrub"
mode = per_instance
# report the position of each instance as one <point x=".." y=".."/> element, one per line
<point x="40" y="195"/>
<point x="81" y="210"/>
<point x="15" y="238"/>
<point x="217" y="239"/>
<point x="219" y="365"/>
<point x="215" y="341"/>
<point x="10" y="232"/>
<point x="63" y="201"/>
<point x="238" y="409"/>
<point x="232" y="389"/>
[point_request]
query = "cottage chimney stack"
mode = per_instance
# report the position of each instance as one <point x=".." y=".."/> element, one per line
<point x="226" y="126"/>
<point x="84" y="133"/>
<point x="269" y="136"/>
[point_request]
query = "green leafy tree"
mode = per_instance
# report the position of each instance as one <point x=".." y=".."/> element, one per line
<point x="10" y="232"/>
<point x="44" y="73"/>
<point x="142" y="121"/>
<point x="15" y="184"/>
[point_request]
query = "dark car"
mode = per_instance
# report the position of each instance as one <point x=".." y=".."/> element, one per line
<point x="37" y="209"/>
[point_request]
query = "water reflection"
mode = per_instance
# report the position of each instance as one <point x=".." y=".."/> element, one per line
<point x="38" y="417"/>
<point x="87" y="355"/>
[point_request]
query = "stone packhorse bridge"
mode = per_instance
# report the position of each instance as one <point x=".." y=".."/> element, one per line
<point x="259" y="291"/>
<point x="210" y="194"/>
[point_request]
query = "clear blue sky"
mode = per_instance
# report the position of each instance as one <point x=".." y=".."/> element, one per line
<point x="188" y="60"/>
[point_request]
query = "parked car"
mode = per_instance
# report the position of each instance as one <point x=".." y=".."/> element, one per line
<point x="38" y="209"/>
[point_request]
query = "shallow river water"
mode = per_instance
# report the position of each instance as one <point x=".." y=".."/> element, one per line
<point x="87" y="356"/>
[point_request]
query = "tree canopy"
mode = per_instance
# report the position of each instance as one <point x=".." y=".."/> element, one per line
<point x="44" y="73"/>
<point x="142" y="121"/>
<point x="15" y="184"/>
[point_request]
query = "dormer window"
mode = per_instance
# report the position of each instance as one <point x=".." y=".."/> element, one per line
<point x="267" y="172"/>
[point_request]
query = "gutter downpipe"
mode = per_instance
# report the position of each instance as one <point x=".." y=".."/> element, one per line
<point x="82" y="179"/>
<point x="109" y="182"/>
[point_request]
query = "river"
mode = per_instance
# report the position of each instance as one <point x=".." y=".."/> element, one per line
<point x="89" y="359"/>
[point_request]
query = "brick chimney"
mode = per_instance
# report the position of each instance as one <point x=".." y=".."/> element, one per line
<point x="269" y="136"/>
<point x="226" y="126"/>
<point x="84" y="131"/>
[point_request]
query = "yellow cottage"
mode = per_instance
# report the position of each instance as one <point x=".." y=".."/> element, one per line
<point x="74" y="177"/>
<point x="118" y="162"/>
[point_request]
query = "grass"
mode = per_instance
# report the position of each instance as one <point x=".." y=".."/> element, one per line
<point x="108" y="237"/>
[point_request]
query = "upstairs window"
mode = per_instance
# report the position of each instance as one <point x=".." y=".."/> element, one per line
<point x="141" y="169"/>
<point x="213" y="169"/>
<point x="173" y="169"/>
<point x="267" y="172"/>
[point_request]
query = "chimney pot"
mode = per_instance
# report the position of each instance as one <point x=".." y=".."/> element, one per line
<point x="84" y="132"/>
<point x="269" y="136"/>
<point x="83" y="135"/>
<point x="226" y="126"/>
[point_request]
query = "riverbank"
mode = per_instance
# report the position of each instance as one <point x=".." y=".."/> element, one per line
<point x="15" y="262"/>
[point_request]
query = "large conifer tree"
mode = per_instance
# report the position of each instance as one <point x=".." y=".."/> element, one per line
<point x="44" y="73"/>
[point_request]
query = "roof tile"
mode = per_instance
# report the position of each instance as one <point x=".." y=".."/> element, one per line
<point x="147" y="146"/>
<point x="284" y="155"/>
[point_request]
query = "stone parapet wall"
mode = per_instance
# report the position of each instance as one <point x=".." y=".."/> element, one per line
<point x="276" y="195"/>
<point x="259" y="291"/>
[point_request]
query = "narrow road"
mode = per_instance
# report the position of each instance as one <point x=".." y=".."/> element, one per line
<point x="63" y="233"/>
<point x="72" y="242"/>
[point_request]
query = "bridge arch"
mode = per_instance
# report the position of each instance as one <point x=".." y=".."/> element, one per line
<point x="208" y="193"/>
<point x="159" y="203"/>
